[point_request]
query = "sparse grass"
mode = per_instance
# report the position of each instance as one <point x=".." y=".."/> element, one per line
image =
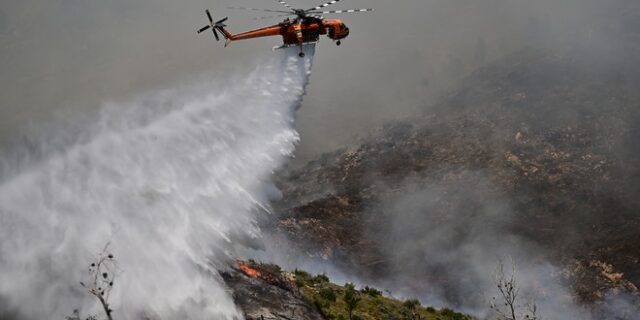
<point x="328" y="298"/>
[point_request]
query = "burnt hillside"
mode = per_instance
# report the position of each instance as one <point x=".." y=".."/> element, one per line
<point x="534" y="156"/>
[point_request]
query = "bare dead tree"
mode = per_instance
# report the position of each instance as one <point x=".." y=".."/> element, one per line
<point x="509" y="308"/>
<point x="102" y="274"/>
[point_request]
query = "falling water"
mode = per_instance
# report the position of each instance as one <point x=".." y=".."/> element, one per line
<point x="169" y="184"/>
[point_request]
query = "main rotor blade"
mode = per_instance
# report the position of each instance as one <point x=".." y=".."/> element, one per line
<point x="209" y="15"/>
<point x="258" y="9"/>
<point x="215" y="34"/>
<point x="323" y="5"/>
<point x="342" y="11"/>
<point x="204" y="29"/>
<point x="271" y="17"/>
<point x="284" y="4"/>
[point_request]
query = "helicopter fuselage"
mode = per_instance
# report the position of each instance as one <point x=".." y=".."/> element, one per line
<point x="298" y="31"/>
<point x="304" y="27"/>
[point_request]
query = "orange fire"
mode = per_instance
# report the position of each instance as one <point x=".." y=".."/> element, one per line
<point x="249" y="271"/>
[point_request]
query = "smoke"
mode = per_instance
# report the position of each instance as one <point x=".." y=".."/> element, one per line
<point x="171" y="180"/>
<point x="425" y="48"/>
<point x="444" y="240"/>
<point x="397" y="60"/>
<point x="452" y="236"/>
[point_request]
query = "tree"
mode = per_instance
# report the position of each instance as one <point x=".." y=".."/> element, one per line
<point x="509" y="308"/>
<point x="351" y="298"/>
<point x="102" y="274"/>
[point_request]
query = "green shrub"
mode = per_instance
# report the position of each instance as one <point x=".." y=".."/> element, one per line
<point x="321" y="278"/>
<point x="301" y="274"/>
<point x="320" y="306"/>
<point x="328" y="294"/>
<point x="351" y="298"/>
<point x="302" y="278"/>
<point x="411" y="304"/>
<point x="373" y="292"/>
<point x="335" y="302"/>
<point x="450" y="314"/>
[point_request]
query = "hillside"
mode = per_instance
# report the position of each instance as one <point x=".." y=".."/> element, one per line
<point x="535" y="156"/>
<point x="264" y="291"/>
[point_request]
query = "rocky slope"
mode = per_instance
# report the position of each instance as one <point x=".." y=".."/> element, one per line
<point x="537" y="154"/>
<point x="262" y="292"/>
<point x="265" y="292"/>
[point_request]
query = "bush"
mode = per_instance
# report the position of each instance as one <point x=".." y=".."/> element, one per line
<point x="351" y="298"/>
<point x="321" y="278"/>
<point x="453" y="315"/>
<point x="373" y="292"/>
<point x="328" y="294"/>
<point x="302" y="277"/>
<point x="301" y="274"/>
<point x="320" y="306"/>
<point x="411" y="304"/>
<point x="272" y="268"/>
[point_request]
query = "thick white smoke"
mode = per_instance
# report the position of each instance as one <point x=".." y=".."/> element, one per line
<point x="169" y="184"/>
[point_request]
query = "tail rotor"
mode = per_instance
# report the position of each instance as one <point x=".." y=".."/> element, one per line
<point x="216" y="27"/>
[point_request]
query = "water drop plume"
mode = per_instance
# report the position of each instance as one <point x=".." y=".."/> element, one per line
<point x="169" y="180"/>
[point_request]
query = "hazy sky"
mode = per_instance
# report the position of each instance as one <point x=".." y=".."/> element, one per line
<point x="74" y="55"/>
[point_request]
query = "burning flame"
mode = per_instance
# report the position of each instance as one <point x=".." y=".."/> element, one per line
<point x="248" y="270"/>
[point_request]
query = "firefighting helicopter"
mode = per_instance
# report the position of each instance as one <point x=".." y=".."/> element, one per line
<point x="305" y="28"/>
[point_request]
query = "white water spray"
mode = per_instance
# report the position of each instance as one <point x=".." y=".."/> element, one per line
<point x="168" y="184"/>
